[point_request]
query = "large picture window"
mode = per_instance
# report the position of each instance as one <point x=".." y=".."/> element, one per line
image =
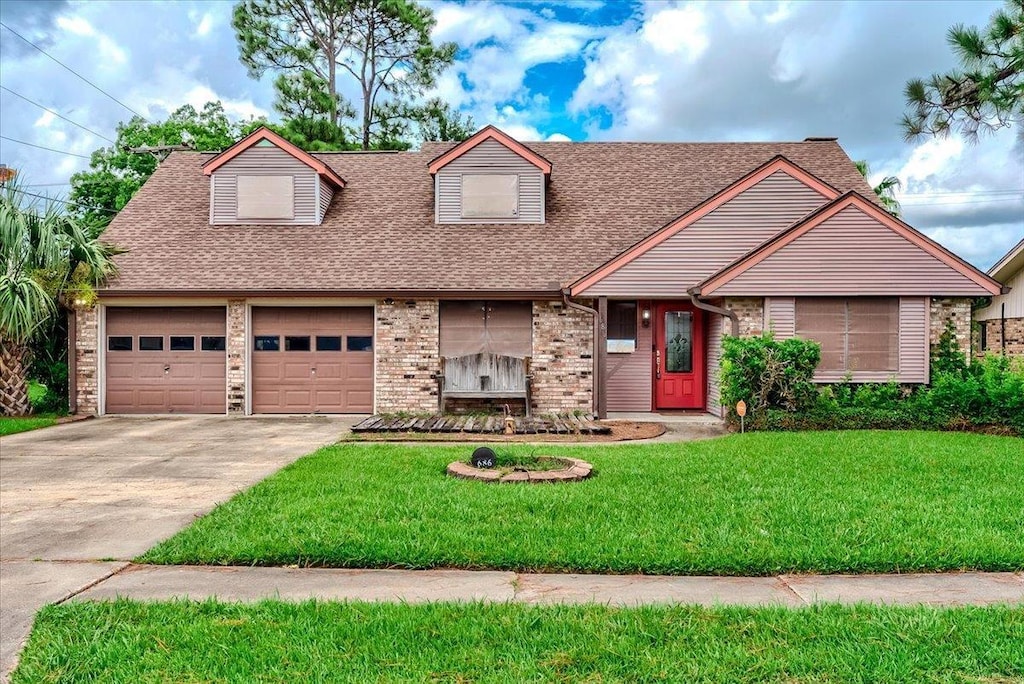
<point x="490" y="196"/>
<point x="855" y="334"/>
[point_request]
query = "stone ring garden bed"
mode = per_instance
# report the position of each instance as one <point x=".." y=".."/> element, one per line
<point x="575" y="469"/>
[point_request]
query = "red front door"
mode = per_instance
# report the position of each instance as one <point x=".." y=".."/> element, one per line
<point x="678" y="356"/>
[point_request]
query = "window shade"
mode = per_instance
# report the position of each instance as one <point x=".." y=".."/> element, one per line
<point x="859" y="334"/>
<point x="490" y="196"/>
<point x="266" y="197"/>
<point x="476" y="327"/>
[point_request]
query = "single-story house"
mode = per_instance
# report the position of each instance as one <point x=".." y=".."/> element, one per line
<point x="1001" y="322"/>
<point x="265" y="279"/>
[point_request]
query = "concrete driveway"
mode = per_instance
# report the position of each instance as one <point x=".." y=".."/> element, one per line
<point x="77" y="501"/>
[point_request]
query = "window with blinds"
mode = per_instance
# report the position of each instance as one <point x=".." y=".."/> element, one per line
<point x="855" y="334"/>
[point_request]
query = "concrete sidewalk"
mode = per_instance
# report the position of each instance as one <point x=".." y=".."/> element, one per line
<point x="148" y="582"/>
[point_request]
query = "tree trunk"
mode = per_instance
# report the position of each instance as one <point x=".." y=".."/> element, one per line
<point x="13" y="379"/>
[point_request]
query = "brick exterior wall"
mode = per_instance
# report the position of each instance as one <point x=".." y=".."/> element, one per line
<point x="750" y="311"/>
<point x="994" y="337"/>
<point x="563" y="359"/>
<point x="956" y="310"/>
<point x="87" y="361"/>
<point x="237" y="343"/>
<point x="408" y="358"/>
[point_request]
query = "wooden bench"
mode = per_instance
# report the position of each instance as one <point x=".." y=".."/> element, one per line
<point x="484" y="376"/>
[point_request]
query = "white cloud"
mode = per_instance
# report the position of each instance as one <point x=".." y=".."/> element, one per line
<point x="76" y="25"/>
<point x="204" y="26"/>
<point x="676" y="30"/>
<point x="45" y="120"/>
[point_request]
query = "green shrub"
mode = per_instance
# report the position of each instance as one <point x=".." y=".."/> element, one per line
<point x="768" y="373"/>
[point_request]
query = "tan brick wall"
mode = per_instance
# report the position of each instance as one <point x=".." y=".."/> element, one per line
<point x="407" y="356"/>
<point x="563" y="361"/>
<point x="87" y="361"/>
<point x="1014" y="336"/>
<point x="237" y="342"/>
<point x="958" y="311"/>
<point x="750" y="311"/>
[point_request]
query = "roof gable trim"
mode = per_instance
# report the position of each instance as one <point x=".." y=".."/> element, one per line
<point x="773" y="165"/>
<point x="265" y="135"/>
<point x="816" y="218"/>
<point x="489" y="133"/>
<point x="1011" y="261"/>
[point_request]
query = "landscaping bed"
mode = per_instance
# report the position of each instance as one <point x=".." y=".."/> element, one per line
<point x="754" y="504"/>
<point x="125" y="641"/>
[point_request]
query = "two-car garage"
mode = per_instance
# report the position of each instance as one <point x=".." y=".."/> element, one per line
<point x="300" y="359"/>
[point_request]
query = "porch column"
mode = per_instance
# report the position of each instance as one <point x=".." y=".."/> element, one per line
<point x="601" y="340"/>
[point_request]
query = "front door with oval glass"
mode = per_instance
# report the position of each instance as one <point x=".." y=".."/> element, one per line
<point x="678" y="356"/>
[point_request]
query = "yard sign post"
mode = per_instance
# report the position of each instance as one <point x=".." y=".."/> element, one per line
<point x="741" y="410"/>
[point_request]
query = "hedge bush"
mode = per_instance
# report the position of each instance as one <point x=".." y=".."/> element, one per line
<point x="774" y="378"/>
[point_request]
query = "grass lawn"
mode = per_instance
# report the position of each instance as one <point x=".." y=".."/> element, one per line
<point x="746" y="504"/>
<point x="273" y="641"/>
<point x="9" y="426"/>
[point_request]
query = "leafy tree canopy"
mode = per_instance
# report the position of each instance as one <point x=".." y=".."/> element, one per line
<point x="383" y="47"/>
<point x="885" y="190"/>
<point x="985" y="93"/>
<point x="115" y="173"/>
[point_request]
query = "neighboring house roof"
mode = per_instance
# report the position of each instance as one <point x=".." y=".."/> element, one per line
<point x="716" y="283"/>
<point x="379" y="234"/>
<point x="259" y="135"/>
<point x="1009" y="264"/>
<point x="489" y="133"/>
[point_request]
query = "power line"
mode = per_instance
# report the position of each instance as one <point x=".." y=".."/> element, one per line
<point x="58" y="114"/>
<point x="48" y="149"/>
<point x="23" y="38"/>
<point x="964" y="192"/>
<point x="62" y="201"/>
<point x="943" y="204"/>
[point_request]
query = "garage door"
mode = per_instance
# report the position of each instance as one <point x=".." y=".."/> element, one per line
<point x="312" y="360"/>
<point x="165" y="360"/>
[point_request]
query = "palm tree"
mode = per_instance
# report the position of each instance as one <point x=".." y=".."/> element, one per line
<point x="47" y="260"/>
<point x="886" y="189"/>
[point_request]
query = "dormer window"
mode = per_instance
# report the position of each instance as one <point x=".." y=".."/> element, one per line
<point x="487" y="196"/>
<point x="489" y="178"/>
<point x="266" y="197"/>
<point x="264" y="179"/>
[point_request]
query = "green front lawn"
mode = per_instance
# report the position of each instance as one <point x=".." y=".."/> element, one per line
<point x="9" y="426"/>
<point x="280" y="642"/>
<point x="746" y="504"/>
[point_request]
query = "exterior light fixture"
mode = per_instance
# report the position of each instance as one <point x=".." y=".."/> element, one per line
<point x="645" y="317"/>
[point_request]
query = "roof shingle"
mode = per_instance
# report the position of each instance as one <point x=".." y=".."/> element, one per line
<point x="379" y="234"/>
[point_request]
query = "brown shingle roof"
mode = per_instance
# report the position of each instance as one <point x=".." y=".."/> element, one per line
<point x="379" y="234"/>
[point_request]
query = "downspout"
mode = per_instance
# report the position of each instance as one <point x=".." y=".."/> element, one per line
<point x="696" y="301"/>
<point x="1002" y="328"/>
<point x="598" y="380"/>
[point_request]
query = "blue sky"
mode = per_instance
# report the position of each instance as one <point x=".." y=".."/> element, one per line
<point x="587" y="70"/>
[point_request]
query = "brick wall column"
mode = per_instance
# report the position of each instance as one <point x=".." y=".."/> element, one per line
<point x="750" y="311"/>
<point x="1014" y="336"/>
<point x="563" y="358"/>
<point x="956" y="310"/>
<point x="237" y="338"/>
<point x="87" y="360"/>
<point x="408" y="358"/>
